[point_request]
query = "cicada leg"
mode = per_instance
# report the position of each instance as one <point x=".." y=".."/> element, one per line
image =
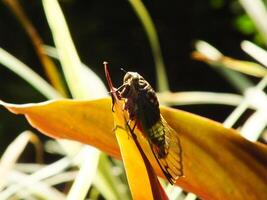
<point x="131" y="129"/>
<point x="128" y="126"/>
<point x="115" y="91"/>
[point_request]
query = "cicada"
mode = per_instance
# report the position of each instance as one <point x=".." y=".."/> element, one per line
<point x="142" y="105"/>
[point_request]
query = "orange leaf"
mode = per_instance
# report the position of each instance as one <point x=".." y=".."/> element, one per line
<point x="89" y="122"/>
<point x="218" y="162"/>
<point x="142" y="179"/>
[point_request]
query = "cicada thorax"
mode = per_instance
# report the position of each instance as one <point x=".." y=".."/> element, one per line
<point x="143" y="107"/>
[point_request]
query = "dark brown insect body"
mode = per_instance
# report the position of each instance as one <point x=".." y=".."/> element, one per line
<point x="143" y="104"/>
<point x="143" y="107"/>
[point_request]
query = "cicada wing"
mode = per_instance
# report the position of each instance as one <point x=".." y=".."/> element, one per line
<point x="168" y="155"/>
<point x="171" y="163"/>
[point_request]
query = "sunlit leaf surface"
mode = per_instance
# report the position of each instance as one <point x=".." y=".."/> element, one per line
<point x="218" y="162"/>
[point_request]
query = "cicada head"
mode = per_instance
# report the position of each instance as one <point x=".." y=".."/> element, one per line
<point x="132" y="78"/>
<point x="130" y="85"/>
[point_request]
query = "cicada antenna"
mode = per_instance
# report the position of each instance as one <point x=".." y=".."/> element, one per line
<point x="123" y="70"/>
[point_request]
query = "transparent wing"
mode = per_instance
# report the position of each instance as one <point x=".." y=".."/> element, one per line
<point x="171" y="163"/>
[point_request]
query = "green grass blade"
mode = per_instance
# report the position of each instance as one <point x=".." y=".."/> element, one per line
<point x="89" y="77"/>
<point x="82" y="84"/>
<point x="68" y="56"/>
<point x="50" y="68"/>
<point x="84" y="179"/>
<point x="110" y="185"/>
<point x="143" y="15"/>
<point x="213" y="58"/>
<point x="255" y="52"/>
<point x="258" y="13"/>
<point x="194" y="97"/>
<point x="28" y="75"/>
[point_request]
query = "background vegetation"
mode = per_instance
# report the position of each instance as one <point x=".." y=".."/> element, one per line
<point x="111" y="30"/>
